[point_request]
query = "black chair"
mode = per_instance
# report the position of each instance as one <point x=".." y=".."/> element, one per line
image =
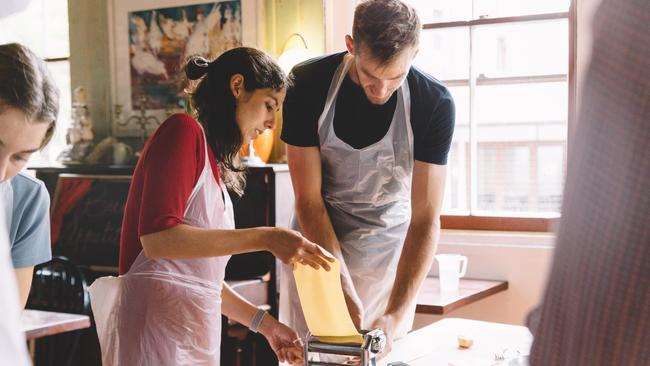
<point x="60" y="286"/>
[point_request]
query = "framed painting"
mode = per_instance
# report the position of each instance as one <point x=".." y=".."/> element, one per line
<point x="150" y="41"/>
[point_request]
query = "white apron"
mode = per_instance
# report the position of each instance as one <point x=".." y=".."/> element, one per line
<point x="12" y="338"/>
<point x="168" y="312"/>
<point x="367" y="193"/>
<point x="7" y="194"/>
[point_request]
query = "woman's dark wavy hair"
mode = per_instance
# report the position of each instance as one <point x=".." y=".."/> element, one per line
<point x="27" y="85"/>
<point x="215" y="104"/>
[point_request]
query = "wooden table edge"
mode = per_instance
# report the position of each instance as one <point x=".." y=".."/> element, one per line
<point x="441" y="310"/>
<point x="58" y="329"/>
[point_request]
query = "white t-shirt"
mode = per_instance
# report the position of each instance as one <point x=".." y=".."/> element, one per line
<point x="13" y="350"/>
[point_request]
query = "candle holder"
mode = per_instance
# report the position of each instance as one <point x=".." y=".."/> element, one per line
<point x="140" y="119"/>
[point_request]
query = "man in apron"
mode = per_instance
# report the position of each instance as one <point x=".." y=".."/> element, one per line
<point x="368" y="137"/>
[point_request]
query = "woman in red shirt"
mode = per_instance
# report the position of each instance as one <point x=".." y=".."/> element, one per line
<point x="178" y="229"/>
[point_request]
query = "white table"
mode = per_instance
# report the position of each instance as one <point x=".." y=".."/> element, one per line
<point x="437" y="344"/>
<point x="37" y="323"/>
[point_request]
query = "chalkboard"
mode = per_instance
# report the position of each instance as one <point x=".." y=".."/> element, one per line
<point x="87" y="218"/>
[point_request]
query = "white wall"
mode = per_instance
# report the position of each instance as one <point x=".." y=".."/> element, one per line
<point x="338" y="23"/>
<point x="89" y="58"/>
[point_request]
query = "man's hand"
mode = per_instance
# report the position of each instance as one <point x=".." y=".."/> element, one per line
<point x="388" y="324"/>
<point x="352" y="300"/>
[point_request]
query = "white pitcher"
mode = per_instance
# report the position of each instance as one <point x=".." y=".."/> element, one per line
<point x="452" y="268"/>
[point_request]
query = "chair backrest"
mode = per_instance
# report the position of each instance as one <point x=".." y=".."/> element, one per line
<point x="58" y="285"/>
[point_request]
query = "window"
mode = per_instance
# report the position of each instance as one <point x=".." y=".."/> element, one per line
<point x="506" y="63"/>
<point x="43" y="27"/>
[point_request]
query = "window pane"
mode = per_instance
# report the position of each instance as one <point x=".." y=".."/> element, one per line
<point x="521" y="49"/>
<point x="519" y="103"/>
<point x="56" y="25"/>
<point x="61" y="73"/>
<point x="42" y="26"/>
<point x="456" y="199"/>
<point x="512" y="121"/>
<point x="444" y="53"/>
<point x="435" y="11"/>
<point x="550" y="177"/>
<point x="461" y="102"/>
<point x="500" y="108"/>
<point x="503" y="8"/>
<point x="503" y="177"/>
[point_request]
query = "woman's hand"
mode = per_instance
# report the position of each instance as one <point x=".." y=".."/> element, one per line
<point x="283" y="340"/>
<point x="291" y="247"/>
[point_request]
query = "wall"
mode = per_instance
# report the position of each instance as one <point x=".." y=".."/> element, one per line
<point x="89" y="62"/>
<point x="285" y="17"/>
<point x="338" y="23"/>
<point x="89" y="52"/>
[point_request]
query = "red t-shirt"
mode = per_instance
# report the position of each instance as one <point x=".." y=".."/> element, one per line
<point x="172" y="161"/>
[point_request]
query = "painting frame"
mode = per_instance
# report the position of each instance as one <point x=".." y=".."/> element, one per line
<point x="252" y="26"/>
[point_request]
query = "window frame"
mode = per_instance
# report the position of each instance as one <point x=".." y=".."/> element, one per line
<point x="56" y="59"/>
<point x="537" y="223"/>
<point x="46" y="155"/>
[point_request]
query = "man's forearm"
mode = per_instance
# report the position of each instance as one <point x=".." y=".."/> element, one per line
<point x="316" y="226"/>
<point x="414" y="264"/>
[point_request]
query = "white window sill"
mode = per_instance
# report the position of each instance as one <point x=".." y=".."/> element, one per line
<point x="497" y="238"/>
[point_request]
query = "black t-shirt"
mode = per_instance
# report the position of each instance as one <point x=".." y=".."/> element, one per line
<point x="360" y="123"/>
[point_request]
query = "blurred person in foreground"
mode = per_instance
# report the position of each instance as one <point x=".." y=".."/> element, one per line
<point x="596" y="309"/>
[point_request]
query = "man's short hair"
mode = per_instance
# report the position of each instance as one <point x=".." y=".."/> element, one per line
<point x="385" y="28"/>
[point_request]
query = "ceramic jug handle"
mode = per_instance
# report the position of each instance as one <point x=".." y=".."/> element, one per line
<point x="463" y="269"/>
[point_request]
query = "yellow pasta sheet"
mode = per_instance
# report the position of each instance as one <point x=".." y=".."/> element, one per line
<point x="322" y="301"/>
